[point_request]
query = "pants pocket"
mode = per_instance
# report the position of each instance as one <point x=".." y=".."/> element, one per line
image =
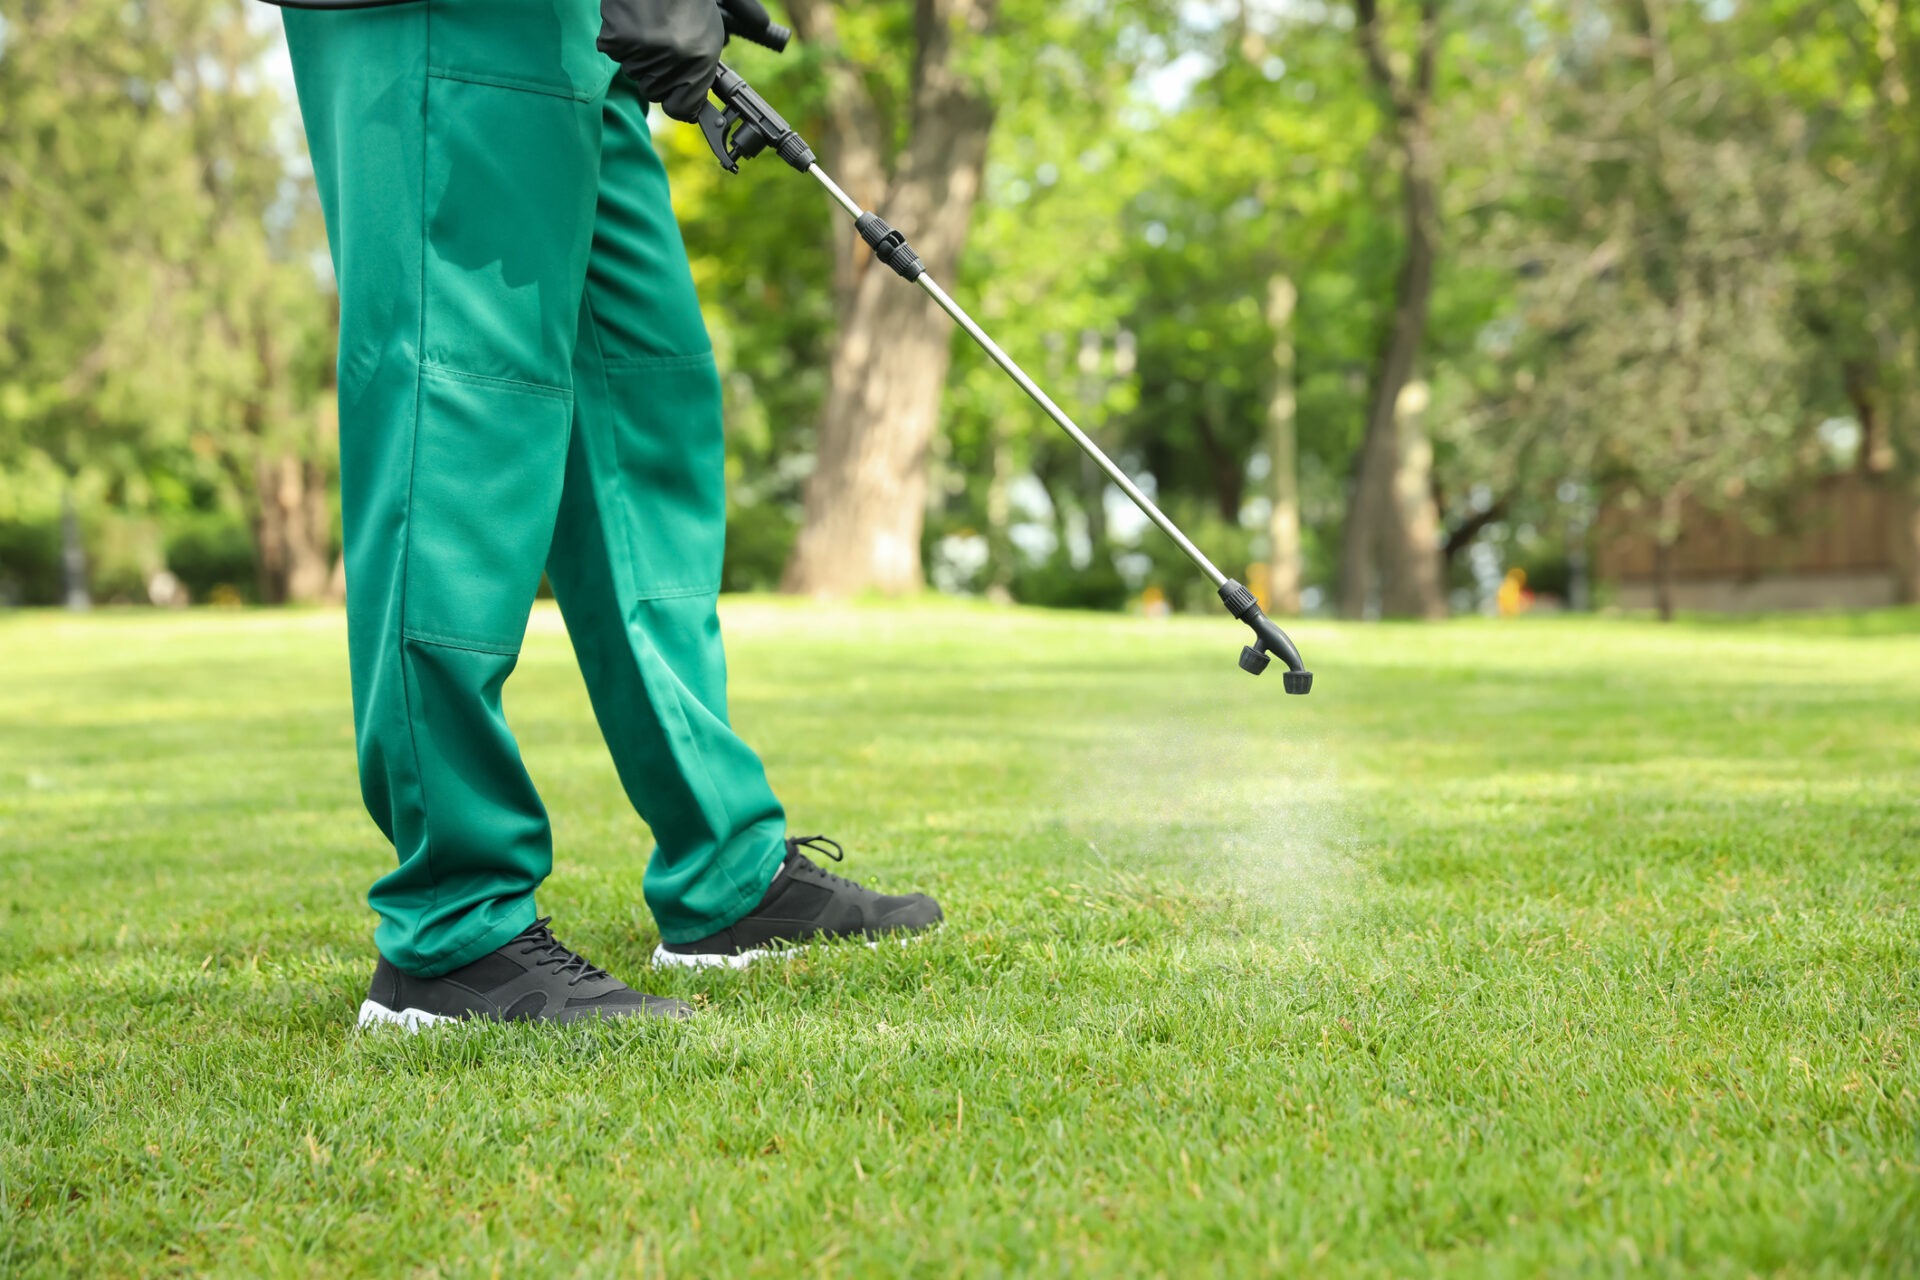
<point x="511" y="184"/>
<point x="489" y="464"/>
<point x="544" y="46"/>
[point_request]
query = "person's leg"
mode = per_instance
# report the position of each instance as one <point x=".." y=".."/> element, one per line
<point x="456" y="149"/>
<point x="636" y="555"/>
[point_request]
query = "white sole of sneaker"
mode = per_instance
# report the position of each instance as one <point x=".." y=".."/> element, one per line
<point x="665" y="959"/>
<point x="375" y="1014"/>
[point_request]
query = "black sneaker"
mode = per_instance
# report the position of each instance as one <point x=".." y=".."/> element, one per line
<point x="534" y="978"/>
<point x="803" y="904"/>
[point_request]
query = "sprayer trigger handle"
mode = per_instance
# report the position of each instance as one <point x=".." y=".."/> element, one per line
<point x="713" y="126"/>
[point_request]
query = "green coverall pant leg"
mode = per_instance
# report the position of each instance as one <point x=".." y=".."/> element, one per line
<point x="525" y="383"/>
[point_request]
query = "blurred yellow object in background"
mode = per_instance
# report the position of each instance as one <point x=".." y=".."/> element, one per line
<point x="1514" y="599"/>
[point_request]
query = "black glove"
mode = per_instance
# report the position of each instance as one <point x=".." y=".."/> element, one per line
<point x="668" y="48"/>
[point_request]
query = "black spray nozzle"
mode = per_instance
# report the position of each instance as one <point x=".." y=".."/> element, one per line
<point x="747" y="126"/>
<point x="1269" y="641"/>
<point x="772" y="36"/>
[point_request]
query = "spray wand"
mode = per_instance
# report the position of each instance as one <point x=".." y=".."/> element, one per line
<point x="744" y="125"/>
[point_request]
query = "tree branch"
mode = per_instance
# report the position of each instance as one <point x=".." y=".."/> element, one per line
<point x="1429" y="50"/>
<point x="1367" y="29"/>
<point x="1468" y="529"/>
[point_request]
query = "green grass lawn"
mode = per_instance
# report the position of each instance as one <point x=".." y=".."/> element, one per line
<point x="1525" y="948"/>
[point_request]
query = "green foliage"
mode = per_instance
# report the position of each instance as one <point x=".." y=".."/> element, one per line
<point x="162" y="323"/>
<point x="1057" y="583"/>
<point x="1656" y="276"/>
<point x="1233" y="547"/>
<point x="763" y="242"/>
<point x="759" y="539"/>
<point x="1675" y="222"/>
<point x="1262" y="170"/>
<point x="212" y="555"/>
<point x="1115" y="204"/>
<point x="30" y="572"/>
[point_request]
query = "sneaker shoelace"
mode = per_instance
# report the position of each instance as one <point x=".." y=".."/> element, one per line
<point x="538" y="941"/>
<point x="822" y="845"/>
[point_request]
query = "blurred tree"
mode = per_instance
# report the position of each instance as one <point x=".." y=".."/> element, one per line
<point x="867" y="496"/>
<point x="1283" y="452"/>
<point x="1258" y="237"/>
<point x="1892" y="437"/>
<point x="910" y="103"/>
<point x="1655" y="341"/>
<point x="1391" y="535"/>
<point x="163" y="336"/>
<point x="1678" y="237"/>
<point x="1060" y="174"/>
<point x="1852" y="71"/>
<point x="1235" y="168"/>
<point x="761" y="245"/>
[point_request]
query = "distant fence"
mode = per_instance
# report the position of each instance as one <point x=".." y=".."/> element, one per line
<point x="1834" y="545"/>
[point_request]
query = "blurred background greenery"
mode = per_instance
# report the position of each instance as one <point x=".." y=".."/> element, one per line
<point x="1383" y="299"/>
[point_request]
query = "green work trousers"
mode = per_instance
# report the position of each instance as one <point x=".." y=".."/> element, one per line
<point x="525" y="383"/>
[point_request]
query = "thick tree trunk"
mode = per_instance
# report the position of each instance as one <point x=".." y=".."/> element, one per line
<point x="865" y="503"/>
<point x="292" y="519"/>
<point x="866" y="499"/>
<point x="1413" y="586"/>
<point x="292" y="530"/>
<point x="1052" y="471"/>
<point x="1376" y="536"/>
<point x="1225" y="467"/>
<point x="1876" y="456"/>
<point x="1093" y="481"/>
<point x="1382" y="534"/>
<point x="1367" y="497"/>
<point x="1283" y="525"/>
<point x="292" y="507"/>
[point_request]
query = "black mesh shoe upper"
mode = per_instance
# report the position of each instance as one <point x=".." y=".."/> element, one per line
<point x="806" y="902"/>
<point x="533" y="977"/>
